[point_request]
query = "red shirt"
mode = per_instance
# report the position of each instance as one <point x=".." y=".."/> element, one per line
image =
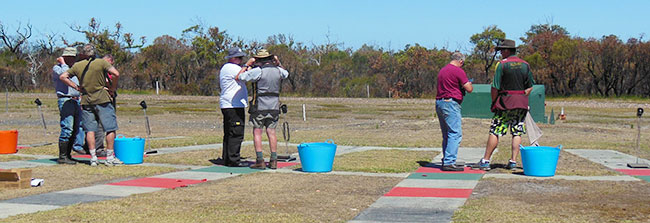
<point x="450" y="81"/>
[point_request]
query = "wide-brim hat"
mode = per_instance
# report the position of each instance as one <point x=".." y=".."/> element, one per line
<point x="506" y="44"/>
<point x="69" y="52"/>
<point x="263" y="53"/>
<point x="235" y="52"/>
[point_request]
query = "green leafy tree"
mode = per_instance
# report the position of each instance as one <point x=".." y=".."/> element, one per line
<point x="484" y="44"/>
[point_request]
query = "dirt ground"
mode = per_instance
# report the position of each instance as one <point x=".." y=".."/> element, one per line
<point x="508" y="200"/>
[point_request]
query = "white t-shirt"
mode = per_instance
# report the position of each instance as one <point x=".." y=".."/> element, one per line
<point x="233" y="93"/>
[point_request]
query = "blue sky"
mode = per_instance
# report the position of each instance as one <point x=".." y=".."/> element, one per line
<point x="387" y="24"/>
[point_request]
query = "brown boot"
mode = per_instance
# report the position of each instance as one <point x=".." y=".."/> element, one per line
<point x="273" y="164"/>
<point x="259" y="164"/>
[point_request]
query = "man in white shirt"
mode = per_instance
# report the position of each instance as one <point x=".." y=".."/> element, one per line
<point x="232" y="102"/>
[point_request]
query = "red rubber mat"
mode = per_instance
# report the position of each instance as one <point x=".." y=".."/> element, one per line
<point x="437" y="170"/>
<point x="429" y="192"/>
<point x="88" y="157"/>
<point x="286" y="164"/>
<point x="635" y="172"/>
<point x="158" y="182"/>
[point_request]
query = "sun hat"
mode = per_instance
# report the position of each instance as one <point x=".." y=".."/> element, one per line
<point x="263" y="53"/>
<point x="69" y="52"/>
<point x="235" y="52"/>
<point x="506" y="44"/>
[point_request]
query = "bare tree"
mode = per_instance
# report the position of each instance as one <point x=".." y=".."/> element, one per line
<point x="14" y="42"/>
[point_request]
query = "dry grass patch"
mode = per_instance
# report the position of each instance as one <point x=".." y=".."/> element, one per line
<point x="63" y="177"/>
<point x="567" y="164"/>
<point x="9" y="157"/>
<point x="510" y="200"/>
<point x="260" y="197"/>
<point x="382" y="161"/>
<point x="207" y="157"/>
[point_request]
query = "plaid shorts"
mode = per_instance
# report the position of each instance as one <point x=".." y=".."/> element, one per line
<point x="509" y="118"/>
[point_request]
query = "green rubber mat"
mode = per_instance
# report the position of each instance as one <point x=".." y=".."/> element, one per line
<point x="445" y="176"/>
<point x="646" y="178"/>
<point x="50" y="161"/>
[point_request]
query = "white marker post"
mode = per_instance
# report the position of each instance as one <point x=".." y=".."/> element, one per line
<point x="6" y="100"/>
<point x="368" y="90"/>
<point x="157" y="88"/>
<point x="304" y="113"/>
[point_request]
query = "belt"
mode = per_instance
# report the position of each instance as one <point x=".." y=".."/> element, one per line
<point x="456" y="100"/>
<point x="67" y="96"/>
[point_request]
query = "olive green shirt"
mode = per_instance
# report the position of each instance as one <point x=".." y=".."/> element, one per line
<point x="93" y="82"/>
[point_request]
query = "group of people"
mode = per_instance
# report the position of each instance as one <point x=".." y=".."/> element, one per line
<point x="86" y="90"/>
<point x="511" y="85"/>
<point x="266" y="73"/>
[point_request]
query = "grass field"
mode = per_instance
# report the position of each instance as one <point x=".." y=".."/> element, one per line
<point x="591" y="124"/>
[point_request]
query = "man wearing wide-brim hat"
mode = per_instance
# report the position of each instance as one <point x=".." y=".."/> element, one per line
<point x="72" y="135"/>
<point x="233" y="101"/>
<point x="511" y="85"/>
<point x="264" y="108"/>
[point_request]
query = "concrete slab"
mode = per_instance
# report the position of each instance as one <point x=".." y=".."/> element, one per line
<point x="22" y="164"/>
<point x="35" y="156"/>
<point x="409" y="209"/>
<point x="445" y="176"/>
<point x="111" y="190"/>
<point x="46" y="161"/>
<point x="458" y="184"/>
<point x="609" y="158"/>
<point x="465" y="154"/>
<point x="559" y="177"/>
<point x="400" y="175"/>
<point x="428" y="192"/>
<point x="59" y="199"/>
<point x="177" y="166"/>
<point x="196" y="175"/>
<point x="224" y="169"/>
<point x="404" y="215"/>
<point x="11" y="209"/>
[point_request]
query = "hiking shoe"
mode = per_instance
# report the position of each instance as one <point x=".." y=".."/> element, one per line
<point x="452" y="167"/>
<point x="66" y="160"/>
<point x="273" y="164"/>
<point x="511" y="165"/>
<point x="93" y="163"/>
<point x="259" y="164"/>
<point x="484" y="165"/>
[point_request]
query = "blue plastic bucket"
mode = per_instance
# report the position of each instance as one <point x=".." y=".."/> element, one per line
<point x="129" y="150"/>
<point x="540" y="161"/>
<point x="317" y="156"/>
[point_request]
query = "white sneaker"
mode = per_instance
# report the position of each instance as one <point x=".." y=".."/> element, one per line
<point x="117" y="161"/>
<point x="93" y="163"/>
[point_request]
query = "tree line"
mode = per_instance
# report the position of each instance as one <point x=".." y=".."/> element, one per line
<point x="189" y="64"/>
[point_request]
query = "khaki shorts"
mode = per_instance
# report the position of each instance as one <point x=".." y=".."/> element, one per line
<point x="264" y="120"/>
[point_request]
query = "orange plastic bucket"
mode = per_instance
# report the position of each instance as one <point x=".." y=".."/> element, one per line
<point x="8" y="141"/>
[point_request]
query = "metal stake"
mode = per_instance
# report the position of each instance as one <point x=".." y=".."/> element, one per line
<point x="38" y="104"/>
<point x="639" y="113"/>
<point x="143" y="104"/>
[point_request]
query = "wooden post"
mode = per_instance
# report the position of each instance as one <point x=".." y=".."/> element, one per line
<point x="304" y="113"/>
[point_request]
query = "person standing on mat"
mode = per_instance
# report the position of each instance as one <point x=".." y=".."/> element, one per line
<point x="265" y="105"/>
<point x="452" y="85"/>
<point x="511" y="85"/>
<point x="96" y="100"/>
<point x="233" y="101"/>
<point x="72" y="136"/>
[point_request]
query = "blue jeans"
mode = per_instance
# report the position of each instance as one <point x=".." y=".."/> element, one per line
<point x="70" y="112"/>
<point x="450" y="123"/>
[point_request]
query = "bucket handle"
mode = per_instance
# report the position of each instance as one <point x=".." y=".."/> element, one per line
<point x="330" y="141"/>
<point x="119" y="136"/>
<point x="559" y="146"/>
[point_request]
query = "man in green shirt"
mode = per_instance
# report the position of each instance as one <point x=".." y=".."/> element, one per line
<point x="96" y="100"/>
<point x="512" y="83"/>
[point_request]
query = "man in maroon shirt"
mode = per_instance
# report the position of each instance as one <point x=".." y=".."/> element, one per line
<point x="452" y="84"/>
